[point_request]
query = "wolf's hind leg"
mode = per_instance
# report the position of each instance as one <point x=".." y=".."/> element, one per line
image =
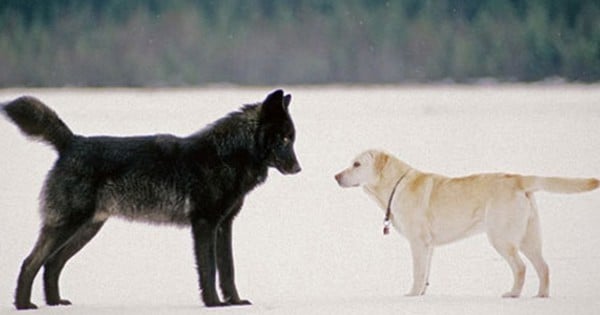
<point x="55" y="263"/>
<point x="51" y="239"/>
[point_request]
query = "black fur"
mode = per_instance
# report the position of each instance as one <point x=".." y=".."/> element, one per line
<point x="198" y="181"/>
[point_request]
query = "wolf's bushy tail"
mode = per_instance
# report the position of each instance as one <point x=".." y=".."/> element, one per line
<point x="559" y="184"/>
<point x="38" y="121"/>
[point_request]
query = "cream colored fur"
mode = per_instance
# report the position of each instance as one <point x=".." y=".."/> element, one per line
<point x="432" y="210"/>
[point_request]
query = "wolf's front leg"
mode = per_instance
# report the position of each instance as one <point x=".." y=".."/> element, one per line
<point x="205" y="234"/>
<point x="225" y="265"/>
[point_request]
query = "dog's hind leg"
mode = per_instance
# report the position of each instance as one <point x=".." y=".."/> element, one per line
<point x="225" y="264"/>
<point x="55" y="263"/>
<point x="534" y="254"/>
<point x="51" y="239"/>
<point x="531" y="246"/>
<point x="507" y="221"/>
<point x="510" y="253"/>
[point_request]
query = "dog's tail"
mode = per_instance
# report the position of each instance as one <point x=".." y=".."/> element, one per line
<point x="38" y="121"/>
<point x="559" y="184"/>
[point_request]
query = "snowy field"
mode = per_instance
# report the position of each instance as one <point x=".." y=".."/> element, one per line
<point x="302" y="244"/>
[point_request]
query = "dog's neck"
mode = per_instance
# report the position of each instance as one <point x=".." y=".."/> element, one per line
<point x="381" y="190"/>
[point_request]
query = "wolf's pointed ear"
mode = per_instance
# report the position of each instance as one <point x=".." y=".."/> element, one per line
<point x="276" y="97"/>
<point x="287" y="100"/>
<point x="274" y="104"/>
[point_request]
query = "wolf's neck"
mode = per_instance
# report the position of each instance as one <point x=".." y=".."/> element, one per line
<point x="234" y="134"/>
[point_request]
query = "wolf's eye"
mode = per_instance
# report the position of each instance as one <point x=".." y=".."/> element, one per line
<point x="286" y="140"/>
<point x="356" y="164"/>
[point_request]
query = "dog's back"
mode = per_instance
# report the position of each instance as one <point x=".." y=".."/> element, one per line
<point x="493" y="184"/>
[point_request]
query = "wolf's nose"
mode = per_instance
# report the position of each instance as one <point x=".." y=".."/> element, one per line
<point x="296" y="169"/>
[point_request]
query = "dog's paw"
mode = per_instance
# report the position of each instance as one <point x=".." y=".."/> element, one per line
<point x="417" y="290"/>
<point x="413" y="294"/>
<point x="511" y="295"/>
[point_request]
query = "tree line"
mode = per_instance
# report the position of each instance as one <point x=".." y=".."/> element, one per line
<point x="181" y="43"/>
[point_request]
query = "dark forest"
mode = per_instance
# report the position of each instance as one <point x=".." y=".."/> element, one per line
<point x="187" y="43"/>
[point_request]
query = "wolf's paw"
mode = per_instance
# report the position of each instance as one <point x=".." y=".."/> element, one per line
<point x="59" y="302"/>
<point x="239" y="302"/>
<point x="26" y="306"/>
<point x="216" y="304"/>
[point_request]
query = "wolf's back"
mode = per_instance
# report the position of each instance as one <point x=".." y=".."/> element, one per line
<point x="38" y="121"/>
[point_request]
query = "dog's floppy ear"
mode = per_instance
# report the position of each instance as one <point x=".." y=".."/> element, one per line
<point x="381" y="160"/>
<point x="274" y="104"/>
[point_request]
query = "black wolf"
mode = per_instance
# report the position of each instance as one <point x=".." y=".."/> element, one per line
<point x="198" y="181"/>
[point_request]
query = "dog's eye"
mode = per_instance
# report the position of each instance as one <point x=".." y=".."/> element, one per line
<point x="286" y="140"/>
<point x="356" y="164"/>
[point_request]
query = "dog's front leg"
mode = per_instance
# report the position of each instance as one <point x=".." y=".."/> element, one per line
<point x="421" y="254"/>
<point x="205" y="234"/>
<point x="225" y="265"/>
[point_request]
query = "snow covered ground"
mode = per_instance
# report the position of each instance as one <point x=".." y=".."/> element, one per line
<point x="302" y="244"/>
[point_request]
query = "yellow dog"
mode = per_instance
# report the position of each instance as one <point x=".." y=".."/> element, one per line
<point x="431" y="210"/>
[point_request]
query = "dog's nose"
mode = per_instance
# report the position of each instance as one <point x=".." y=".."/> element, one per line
<point x="338" y="177"/>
